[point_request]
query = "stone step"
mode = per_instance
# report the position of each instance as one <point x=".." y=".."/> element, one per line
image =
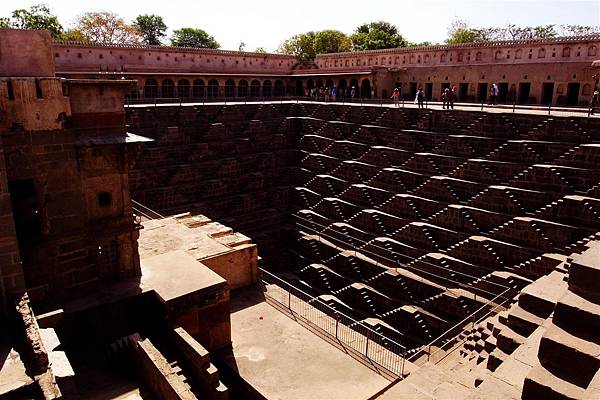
<point x="508" y="340"/>
<point x="522" y="321"/>
<point x="540" y="297"/>
<point x="490" y="344"/>
<point x="542" y="384"/>
<point x="584" y="273"/>
<point x="496" y="358"/>
<point x="557" y="346"/>
<point x="579" y="316"/>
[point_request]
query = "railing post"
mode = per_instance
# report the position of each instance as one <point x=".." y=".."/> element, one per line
<point x="403" y="358"/>
<point x="549" y="108"/>
<point x="337" y="323"/>
<point x="289" y="296"/>
<point x="367" y="345"/>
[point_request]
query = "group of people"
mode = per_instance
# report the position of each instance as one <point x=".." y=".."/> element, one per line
<point x="331" y="93"/>
<point x="419" y="98"/>
<point x="449" y="94"/>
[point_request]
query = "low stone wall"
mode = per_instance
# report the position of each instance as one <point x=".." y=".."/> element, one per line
<point x="197" y="359"/>
<point x="158" y="374"/>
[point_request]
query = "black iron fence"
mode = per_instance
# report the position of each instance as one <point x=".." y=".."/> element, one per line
<point x="402" y="103"/>
<point x="349" y="333"/>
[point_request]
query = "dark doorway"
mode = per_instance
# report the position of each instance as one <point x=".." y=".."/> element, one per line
<point x="502" y="92"/>
<point x="267" y="86"/>
<point x="547" y="92"/>
<point x="254" y="88"/>
<point x="429" y="91"/>
<point x="524" y="90"/>
<point x="412" y="89"/>
<point x="482" y="92"/>
<point x="365" y="89"/>
<point x="573" y="93"/>
<point x="230" y="88"/>
<point x="108" y="261"/>
<point x="463" y="92"/>
<point x="299" y="88"/>
<point x="26" y="215"/>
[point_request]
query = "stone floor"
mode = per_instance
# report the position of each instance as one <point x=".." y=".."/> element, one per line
<point x="283" y="360"/>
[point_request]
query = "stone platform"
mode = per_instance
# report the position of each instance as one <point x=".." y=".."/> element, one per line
<point x="283" y="360"/>
<point x="228" y="253"/>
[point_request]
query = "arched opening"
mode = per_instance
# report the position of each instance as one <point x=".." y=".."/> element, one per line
<point x="309" y="84"/>
<point x="266" y="90"/>
<point x="213" y="88"/>
<point x="150" y="88"/>
<point x="255" y="88"/>
<point x="198" y="88"/>
<point x="587" y="90"/>
<point x="566" y="52"/>
<point x="229" y="88"/>
<point x="168" y="88"/>
<point x="592" y="51"/>
<point x="183" y="88"/>
<point x="299" y="88"/>
<point x="243" y="88"/>
<point x="319" y="83"/>
<point x="365" y="89"/>
<point x="278" y="88"/>
<point x="329" y="83"/>
<point x="342" y="88"/>
<point x="541" y="53"/>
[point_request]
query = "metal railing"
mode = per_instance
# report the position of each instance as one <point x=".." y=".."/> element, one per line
<point x="511" y="106"/>
<point x="351" y="334"/>
<point x="439" y="348"/>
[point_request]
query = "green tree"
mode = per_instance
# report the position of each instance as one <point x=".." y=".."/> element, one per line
<point x="192" y="37"/>
<point x="37" y="17"/>
<point x="72" y="35"/>
<point x="460" y="32"/>
<point x="4" y="23"/>
<point x="578" y="30"/>
<point x="515" y="32"/>
<point x="152" y="28"/>
<point x="260" y="50"/>
<point x="107" y="27"/>
<point x="301" y="46"/>
<point x="331" y="41"/>
<point x="377" y="35"/>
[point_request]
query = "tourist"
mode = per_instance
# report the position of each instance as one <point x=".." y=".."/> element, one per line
<point x="494" y="94"/>
<point x="445" y="98"/>
<point x="594" y="100"/>
<point x="333" y="93"/>
<point x="420" y="97"/>
<point x="451" y="97"/>
<point x="353" y="92"/>
<point x="396" y="96"/>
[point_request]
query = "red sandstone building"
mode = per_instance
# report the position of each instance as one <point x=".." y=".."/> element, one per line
<point x="555" y="71"/>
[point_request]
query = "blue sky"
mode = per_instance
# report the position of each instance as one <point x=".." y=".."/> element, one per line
<point x="266" y="23"/>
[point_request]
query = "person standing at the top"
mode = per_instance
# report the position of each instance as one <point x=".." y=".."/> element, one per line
<point x="334" y="93"/>
<point x="451" y="97"/>
<point x="353" y="92"/>
<point x="594" y="100"/>
<point x="494" y="94"/>
<point x="396" y="96"/>
<point x="420" y="97"/>
<point x="445" y="98"/>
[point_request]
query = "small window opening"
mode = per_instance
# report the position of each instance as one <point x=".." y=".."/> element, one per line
<point x="10" y="90"/>
<point x="38" y="90"/>
<point x="104" y="199"/>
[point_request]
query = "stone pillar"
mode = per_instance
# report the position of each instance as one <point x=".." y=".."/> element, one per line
<point x="12" y="279"/>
